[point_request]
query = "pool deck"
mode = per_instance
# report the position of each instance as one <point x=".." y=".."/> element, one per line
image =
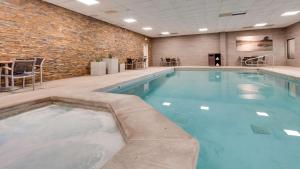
<point x="152" y="141"/>
<point x="293" y="72"/>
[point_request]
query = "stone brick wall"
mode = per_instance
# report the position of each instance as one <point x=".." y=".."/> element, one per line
<point x="68" y="40"/>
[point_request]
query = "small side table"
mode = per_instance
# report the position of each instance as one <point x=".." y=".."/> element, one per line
<point x="5" y="63"/>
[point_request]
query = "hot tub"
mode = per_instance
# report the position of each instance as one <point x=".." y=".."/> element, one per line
<point x="58" y="137"/>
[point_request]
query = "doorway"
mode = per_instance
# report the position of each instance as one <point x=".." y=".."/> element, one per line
<point x="146" y="53"/>
<point x="291" y="48"/>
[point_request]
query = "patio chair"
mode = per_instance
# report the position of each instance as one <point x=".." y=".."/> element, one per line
<point x="173" y="61"/>
<point x="178" y="62"/>
<point x="129" y="63"/>
<point x="162" y="62"/>
<point x="39" y="67"/>
<point x="255" y="61"/>
<point x="20" y="69"/>
<point x="168" y="62"/>
<point x="245" y="59"/>
<point x="139" y="62"/>
<point x="261" y="60"/>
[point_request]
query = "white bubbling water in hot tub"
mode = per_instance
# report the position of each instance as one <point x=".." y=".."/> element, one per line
<point x="57" y="137"/>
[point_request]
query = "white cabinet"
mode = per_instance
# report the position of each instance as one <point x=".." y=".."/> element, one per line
<point x="122" y="67"/>
<point x="112" y="65"/>
<point x="98" y="68"/>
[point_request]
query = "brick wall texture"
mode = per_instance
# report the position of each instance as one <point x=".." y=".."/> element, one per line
<point x="68" y="40"/>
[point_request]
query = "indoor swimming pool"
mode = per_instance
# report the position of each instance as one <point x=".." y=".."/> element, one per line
<point x="242" y="119"/>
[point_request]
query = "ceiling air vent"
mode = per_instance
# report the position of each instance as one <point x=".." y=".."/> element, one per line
<point x="233" y="14"/>
<point x="239" y="13"/>
<point x="251" y="27"/>
<point x="172" y="33"/>
<point x="269" y="25"/>
<point x="248" y="27"/>
<point x="110" y="12"/>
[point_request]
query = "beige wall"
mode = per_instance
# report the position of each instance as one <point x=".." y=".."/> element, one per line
<point x="192" y="50"/>
<point x="293" y="31"/>
<point x="278" y="52"/>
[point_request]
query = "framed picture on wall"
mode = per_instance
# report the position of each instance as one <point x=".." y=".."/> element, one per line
<point x="254" y="43"/>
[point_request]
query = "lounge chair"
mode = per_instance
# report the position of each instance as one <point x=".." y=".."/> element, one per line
<point x="253" y="61"/>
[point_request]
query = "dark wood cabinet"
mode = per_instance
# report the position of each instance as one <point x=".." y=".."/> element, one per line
<point x="214" y="59"/>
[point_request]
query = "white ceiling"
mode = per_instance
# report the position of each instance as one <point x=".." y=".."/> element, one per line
<point x="187" y="16"/>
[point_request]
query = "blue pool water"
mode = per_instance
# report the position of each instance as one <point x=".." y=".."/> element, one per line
<point x="243" y="120"/>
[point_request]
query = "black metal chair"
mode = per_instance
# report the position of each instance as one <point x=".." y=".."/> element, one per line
<point x="178" y="63"/>
<point x="168" y="62"/>
<point x="162" y="62"/>
<point x="20" y="69"/>
<point x="173" y="61"/>
<point x="129" y="63"/>
<point x="139" y="63"/>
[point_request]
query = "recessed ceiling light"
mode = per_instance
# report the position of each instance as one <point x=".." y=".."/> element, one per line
<point x="89" y="2"/>
<point x="260" y="24"/>
<point x="290" y="13"/>
<point x="203" y="29"/>
<point x="165" y="33"/>
<point x="111" y="12"/>
<point x="147" y="28"/>
<point x="129" y="20"/>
